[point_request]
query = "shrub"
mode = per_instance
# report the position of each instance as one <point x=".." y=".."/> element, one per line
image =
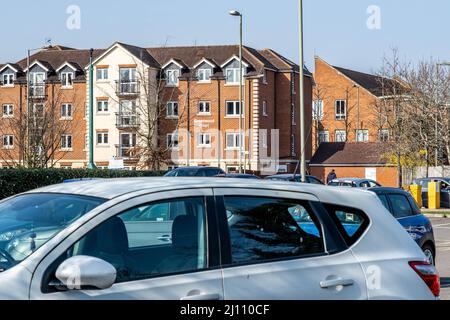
<point x="14" y="181"/>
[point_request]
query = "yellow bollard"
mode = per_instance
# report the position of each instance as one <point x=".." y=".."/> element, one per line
<point x="416" y="192"/>
<point x="434" y="195"/>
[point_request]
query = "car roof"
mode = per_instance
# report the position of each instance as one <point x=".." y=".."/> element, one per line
<point x="195" y="168"/>
<point x="286" y="175"/>
<point x="351" y="179"/>
<point x="113" y="188"/>
<point x="386" y="190"/>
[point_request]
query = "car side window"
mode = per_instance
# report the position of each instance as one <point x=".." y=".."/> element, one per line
<point x="265" y="229"/>
<point x="384" y="201"/>
<point x="152" y="240"/>
<point x="400" y="206"/>
<point x="314" y="180"/>
<point x="373" y="184"/>
<point x="365" y="184"/>
<point x="212" y="172"/>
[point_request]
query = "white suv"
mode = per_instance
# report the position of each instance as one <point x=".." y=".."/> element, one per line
<point x="206" y="239"/>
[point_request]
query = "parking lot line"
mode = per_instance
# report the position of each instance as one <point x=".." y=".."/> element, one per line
<point x="441" y="225"/>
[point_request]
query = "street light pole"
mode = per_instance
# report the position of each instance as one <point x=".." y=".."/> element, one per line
<point x="302" y="94"/>
<point x="91" y="164"/>
<point x="241" y="138"/>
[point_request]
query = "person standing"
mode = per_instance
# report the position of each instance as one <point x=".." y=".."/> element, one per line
<point x="331" y="176"/>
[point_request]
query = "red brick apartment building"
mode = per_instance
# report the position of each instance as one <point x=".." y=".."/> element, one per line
<point x="201" y="96"/>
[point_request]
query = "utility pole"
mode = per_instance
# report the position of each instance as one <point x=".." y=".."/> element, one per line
<point x="91" y="164"/>
<point x="302" y="95"/>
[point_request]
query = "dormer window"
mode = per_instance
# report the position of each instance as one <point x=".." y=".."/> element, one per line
<point x="232" y="75"/>
<point x="8" y="79"/>
<point x="67" y="79"/>
<point x="172" y="77"/>
<point x="204" y="75"/>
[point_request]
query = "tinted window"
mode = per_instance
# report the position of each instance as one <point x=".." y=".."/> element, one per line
<point x="364" y="184"/>
<point x="28" y="221"/>
<point x="351" y="222"/>
<point x="384" y="200"/>
<point x="212" y="172"/>
<point x="400" y="206"/>
<point x="263" y="229"/>
<point x="152" y="240"/>
<point x="413" y="204"/>
<point x="314" y="180"/>
<point x="334" y="184"/>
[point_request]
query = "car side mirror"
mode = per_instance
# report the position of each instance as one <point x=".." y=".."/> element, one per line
<point x="83" y="272"/>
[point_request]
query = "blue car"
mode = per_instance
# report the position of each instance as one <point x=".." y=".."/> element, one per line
<point x="405" y="209"/>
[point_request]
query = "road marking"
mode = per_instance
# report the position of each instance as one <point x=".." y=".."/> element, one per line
<point x="441" y="225"/>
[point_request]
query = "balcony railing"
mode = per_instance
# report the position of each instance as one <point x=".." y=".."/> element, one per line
<point x="37" y="91"/>
<point x="126" y="88"/>
<point x="126" y="120"/>
<point x="126" y="152"/>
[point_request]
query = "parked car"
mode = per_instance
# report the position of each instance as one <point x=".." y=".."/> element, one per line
<point x="445" y="190"/>
<point x="290" y="177"/>
<point x="195" y="172"/>
<point x="238" y="176"/>
<point x="404" y="208"/>
<point x="206" y="239"/>
<point x="354" y="183"/>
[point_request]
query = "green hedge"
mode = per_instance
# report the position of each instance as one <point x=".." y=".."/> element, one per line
<point x="14" y="181"/>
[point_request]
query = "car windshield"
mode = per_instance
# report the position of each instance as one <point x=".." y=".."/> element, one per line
<point x="182" y="173"/>
<point x="28" y="221"/>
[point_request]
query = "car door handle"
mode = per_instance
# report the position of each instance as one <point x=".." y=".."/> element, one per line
<point x="166" y="237"/>
<point x="202" y="297"/>
<point x="336" y="283"/>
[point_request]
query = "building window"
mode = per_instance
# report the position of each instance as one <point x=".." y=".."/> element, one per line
<point x="263" y="138"/>
<point x="66" y="79"/>
<point x="102" y="106"/>
<point x="233" y="140"/>
<point x="66" y="142"/>
<point x="8" y="141"/>
<point x="102" y="138"/>
<point x="204" y="75"/>
<point x="204" y="140"/>
<point x="8" y="79"/>
<point x="318" y="110"/>
<point x="172" y="141"/>
<point x="293" y="91"/>
<point x="383" y="135"/>
<point x="341" y="109"/>
<point x="293" y="115"/>
<point x="233" y="108"/>
<point x="293" y="145"/>
<point x="232" y="75"/>
<point x="340" y="136"/>
<point x="8" y="111"/>
<point x="362" y="135"/>
<point x="102" y="73"/>
<point x="204" y="107"/>
<point x="324" y="136"/>
<point x="264" y="79"/>
<point x="172" y="77"/>
<point x="172" y="109"/>
<point x="66" y="111"/>
<point x="264" y="109"/>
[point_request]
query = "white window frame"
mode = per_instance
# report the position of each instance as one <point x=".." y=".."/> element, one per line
<point x="65" y="145"/>
<point x="340" y="115"/>
<point x="9" y="139"/>
<point x="317" y="110"/>
<point x="234" y="79"/>
<point x="204" y="140"/>
<point x="104" y="72"/>
<point x="204" y="75"/>
<point x="342" y="133"/>
<point x="237" y="140"/>
<point x="170" y="110"/>
<point x="172" y="76"/>
<point x="264" y="78"/>
<point x="204" y="105"/>
<point x="264" y="109"/>
<point x="235" y="107"/>
<point x="385" y="132"/>
<point x="9" y="108"/>
<point x="172" y="141"/>
<point x="104" y="136"/>
<point x="364" y="133"/>
<point x="323" y="136"/>
<point x="64" y="114"/>
<point x="8" y="80"/>
<point x="67" y="79"/>
<point x="103" y="103"/>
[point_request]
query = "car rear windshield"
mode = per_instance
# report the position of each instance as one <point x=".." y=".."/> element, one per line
<point x="28" y="221"/>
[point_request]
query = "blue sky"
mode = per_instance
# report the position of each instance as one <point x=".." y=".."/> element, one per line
<point x="335" y="30"/>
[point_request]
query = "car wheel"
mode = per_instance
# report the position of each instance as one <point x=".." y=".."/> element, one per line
<point x="429" y="253"/>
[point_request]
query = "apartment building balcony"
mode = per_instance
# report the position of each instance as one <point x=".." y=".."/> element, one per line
<point x="37" y="91"/>
<point x="126" y="152"/>
<point x="127" y="88"/>
<point x="127" y="120"/>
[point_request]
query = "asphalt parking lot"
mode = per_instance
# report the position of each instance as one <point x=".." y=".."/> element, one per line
<point x="442" y="236"/>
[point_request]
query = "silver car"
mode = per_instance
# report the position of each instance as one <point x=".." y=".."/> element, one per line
<point x="206" y="239"/>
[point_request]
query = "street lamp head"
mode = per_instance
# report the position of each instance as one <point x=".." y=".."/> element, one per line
<point x="235" y="13"/>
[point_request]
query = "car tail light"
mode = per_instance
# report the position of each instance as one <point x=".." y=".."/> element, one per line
<point x="428" y="274"/>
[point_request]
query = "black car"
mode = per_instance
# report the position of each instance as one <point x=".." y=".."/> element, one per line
<point x="404" y="208"/>
<point x="297" y="178"/>
<point x="445" y="190"/>
<point x="195" y="172"/>
<point x="238" y="176"/>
